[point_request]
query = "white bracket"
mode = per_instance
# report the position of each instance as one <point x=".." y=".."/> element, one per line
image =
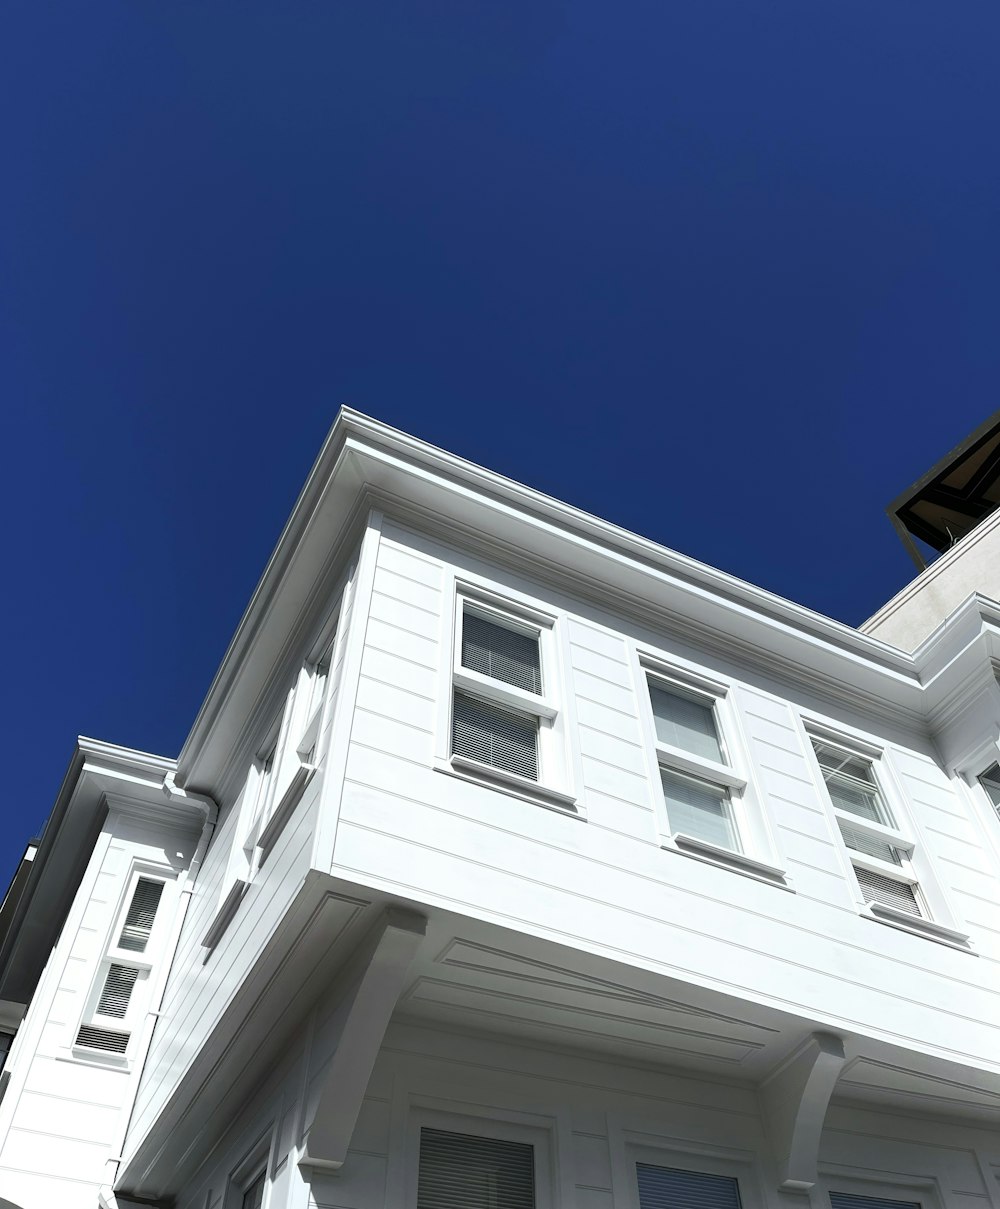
<point x="380" y="968"/>
<point x="795" y="1099"/>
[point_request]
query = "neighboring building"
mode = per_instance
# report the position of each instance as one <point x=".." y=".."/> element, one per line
<point x="515" y="861"/>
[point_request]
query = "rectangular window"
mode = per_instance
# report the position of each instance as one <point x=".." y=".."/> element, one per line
<point x="465" y="1171"/>
<point x="253" y="1196"/>
<point x="501" y="715"/>
<point x="672" y="1188"/>
<point x="699" y="785"/>
<point x="990" y="781"/>
<point x="848" y="1200"/>
<point x="113" y="1008"/>
<point x="879" y="855"/>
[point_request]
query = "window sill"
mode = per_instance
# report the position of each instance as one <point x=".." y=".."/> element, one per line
<point x="223" y="916"/>
<point x="90" y="1057"/>
<point x="881" y="913"/>
<point x="723" y="858"/>
<point x="509" y="783"/>
<point x="285" y="808"/>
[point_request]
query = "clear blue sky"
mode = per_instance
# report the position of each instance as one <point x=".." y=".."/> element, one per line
<point x="724" y="272"/>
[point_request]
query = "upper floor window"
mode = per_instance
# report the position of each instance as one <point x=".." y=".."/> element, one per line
<point x="501" y="711"/>
<point x="850" y="1200"/>
<point x="113" y="1006"/>
<point x="880" y="855"/>
<point x="698" y="783"/>
<point x="708" y="807"/>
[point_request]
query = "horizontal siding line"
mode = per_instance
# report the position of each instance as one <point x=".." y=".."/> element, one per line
<point x="992" y="902"/>
<point x="794" y="754"/>
<point x="48" y="1175"/>
<point x="406" y="604"/>
<point x="808" y="835"/>
<point x="950" y="860"/>
<point x="643" y="806"/>
<point x="881" y="1110"/>
<point x="370" y="1154"/>
<point x="63" y="1137"/>
<point x="608" y="735"/>
<point x="396" y="546"/>
<point x="622" y="713"/>
<point x="785" y="726"/>
<point x="952" y="814"/>
<point x="385" y="569"/>
<point x="586" y="1133"/>
<point x="743" y="990"/>
<point x="585" y="671"/>
<point x="781" y="772"/>
<point x="401" y="688"/>
<point x="639" y="776"/>
<point x="90" y="1102"/>
<point x="381" y="751"/>
<point x="375" y="713"/>
<point x="592" y="1187"/>
<point x="369" y="644"/>
<point x="978" y="923"/>
<point x="779" y="797"/>
<point x="402" y="629"/>
<point x="950" y="835"/>
<point x="794" y="860"/>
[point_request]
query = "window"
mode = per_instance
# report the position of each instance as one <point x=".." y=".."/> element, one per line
<point x="990" y="781"/>
<point x="460" y="1169"/>
<point x="849" y="1200"/>
<point x="114" y="1003"/>
<point x="503" y="727"/>
<point x="879" y="854"/>
<point x="672" y="1188"/>
<point x="700" y="789"/>
<point x="253" y="1196"/>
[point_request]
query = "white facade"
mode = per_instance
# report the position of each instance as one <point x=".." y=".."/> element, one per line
<point x="506" y="837"/>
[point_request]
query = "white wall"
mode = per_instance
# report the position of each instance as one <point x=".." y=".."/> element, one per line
<point x="589" y="1116"/>
<point x="972" y="565"/>
<point x="61" y="1118"/>
<point x="604" y="883"/>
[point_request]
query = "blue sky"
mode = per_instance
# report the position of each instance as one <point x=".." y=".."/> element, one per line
<point x="723" y="272"/>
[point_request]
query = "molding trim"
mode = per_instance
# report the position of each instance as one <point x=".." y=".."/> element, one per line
<point x="794" y="1099"/>
<point x="384" y="957"/>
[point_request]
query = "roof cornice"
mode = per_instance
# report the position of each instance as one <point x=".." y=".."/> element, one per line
<point x="364" y="461"/>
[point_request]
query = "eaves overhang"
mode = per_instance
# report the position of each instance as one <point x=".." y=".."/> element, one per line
<point x="366" y="463"/>
<point x="96" y="771"/>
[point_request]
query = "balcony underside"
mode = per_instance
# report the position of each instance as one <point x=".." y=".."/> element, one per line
<point x="472" y="977"/>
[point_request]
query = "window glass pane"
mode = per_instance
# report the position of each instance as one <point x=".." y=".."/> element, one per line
<point x="861" y="842"/>
<point x="501" y="653"/>
<point x="117" y="991"/>
<point x="670" y="1188"/>
<point x="140" y="916"/>
<point x="499" y="737"/>
<point x="990" y="781"/>
<point x="847" y="1200"/>
<point x="880" y="889"/>
<point x="852" y="785"/>
<point x="699" y="810"/>
<point x="253" y="1198"/>
<point x="687" y="724"/>
<point x="461" y="1171"/>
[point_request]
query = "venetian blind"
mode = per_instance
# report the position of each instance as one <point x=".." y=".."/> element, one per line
<point x="141" y="913"/>
<point x="463" y="1171"/>
<point x="887" y="890"/>
<point x="847" y="1200"/>
<point x="501" y="653"/>
<point x="671" y="1188"/>
<point x="499" y="737"/>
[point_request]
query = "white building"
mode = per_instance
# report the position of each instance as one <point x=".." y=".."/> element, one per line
<point x="515" y="861"/>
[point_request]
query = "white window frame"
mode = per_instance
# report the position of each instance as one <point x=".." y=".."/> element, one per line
<point x="504" y="1126"/>
<point x="756" y="856"/>
<point x="629" y="1147"/>
<point x="553" y="788"/>
<point x="936" y="921"/>
<point x="144" y="962"/>
<point x="259" y="1160"/>
<point x="893" y="1186"/>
